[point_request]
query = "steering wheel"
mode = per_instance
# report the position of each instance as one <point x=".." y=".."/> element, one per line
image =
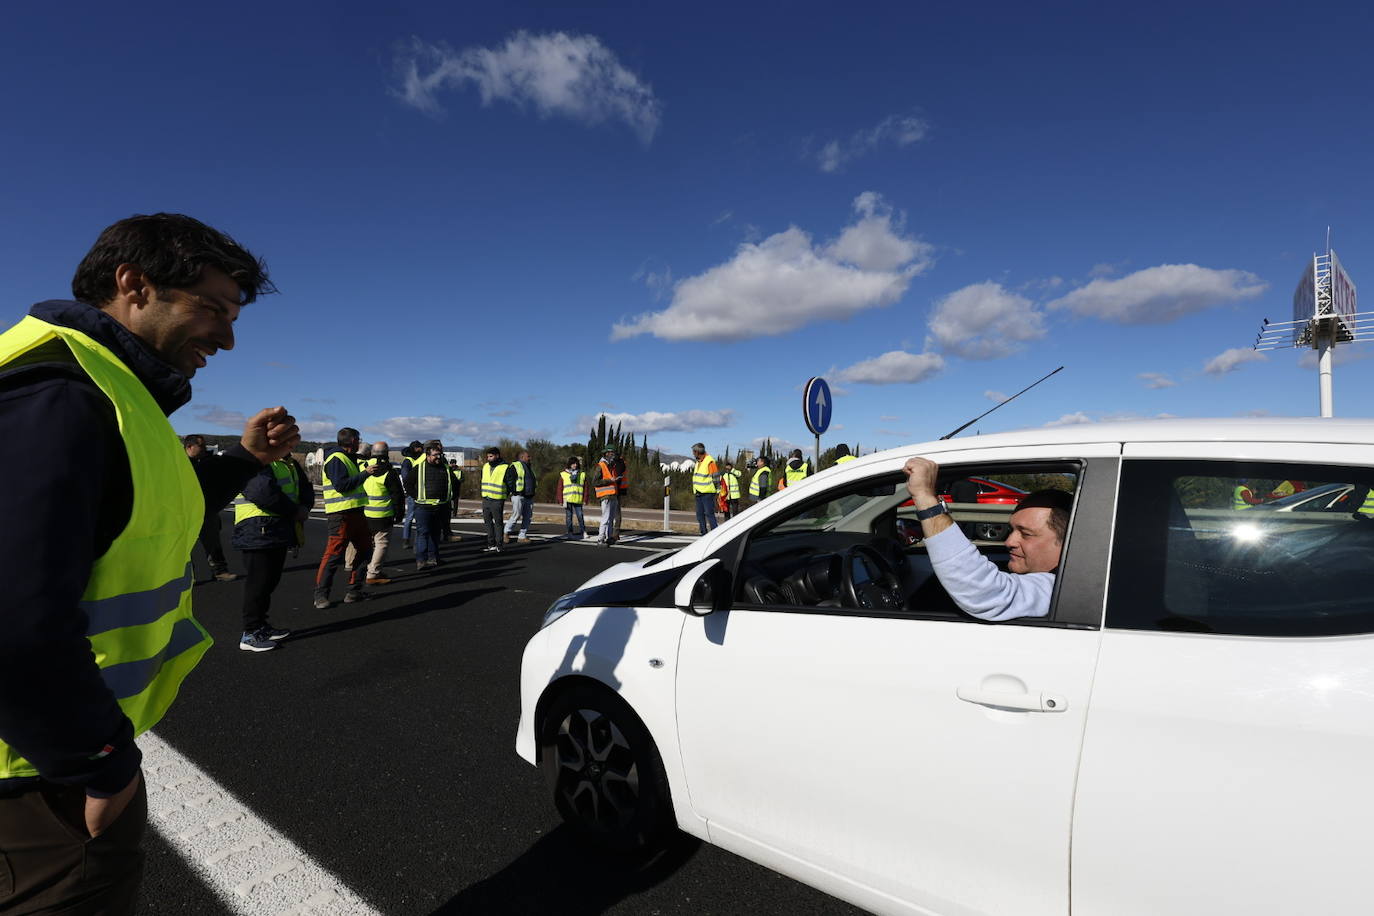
<point x="880" y="589"/>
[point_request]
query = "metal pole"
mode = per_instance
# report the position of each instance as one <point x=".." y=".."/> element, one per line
<point x="817" y="468"/>
<point x="666" y="501"/>
<point x="1324" y="373"/>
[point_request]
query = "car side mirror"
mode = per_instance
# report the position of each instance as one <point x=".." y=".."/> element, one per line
<point x="696" y="592"/>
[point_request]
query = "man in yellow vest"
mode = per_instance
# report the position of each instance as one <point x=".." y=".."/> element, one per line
<point x="762" y="481"/>
<point x="498" y="482"/>
<point x="268" y="516"/>
<point x="734" y="489"/>
<point x="842" y="454"/>
<point x="385" y="497"/>
<point x="705" y="484"/>
<point x="795" y="471"/>
<point x="430" y="483"/>
<point x="97" y="632"/>
<point x="344" y="500"/>
<point x="522" y="498"/>
<point x="572" y="488"/>
<point x="606" y="488"/>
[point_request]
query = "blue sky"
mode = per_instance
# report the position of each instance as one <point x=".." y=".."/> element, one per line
<point x="503" y="219"/>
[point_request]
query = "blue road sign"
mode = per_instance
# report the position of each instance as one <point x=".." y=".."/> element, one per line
<point x="816" y="405"/>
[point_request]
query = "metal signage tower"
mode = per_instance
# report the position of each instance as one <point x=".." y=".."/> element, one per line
<point x="1324" y="315"/>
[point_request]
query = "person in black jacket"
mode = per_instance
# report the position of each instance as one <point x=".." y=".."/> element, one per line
<point x="265" y="540"/>
<point x="210" y="540"/>
<point x="160" y="293"/>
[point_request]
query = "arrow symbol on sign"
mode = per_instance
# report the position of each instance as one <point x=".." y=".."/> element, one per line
<point x="820" y="399"/>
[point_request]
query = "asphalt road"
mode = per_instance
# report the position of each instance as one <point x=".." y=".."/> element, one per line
<point x="380" y="740"/>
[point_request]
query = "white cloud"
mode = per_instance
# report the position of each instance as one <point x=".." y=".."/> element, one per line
<point x="654" y="421"/>
<point x="985" y="321"/>
<point x="1156" y="380"/>
<point x="996" y="397"/>
<point x="452" y="430"/>
<point x="1160" y="294"/>
<point x="898" y="130"/>
<point x="1102" y="270"/>
<point x="570" y="76"/>
<point x="893" y="368"/>
<point x="779" y="446"/>
<point x="216" y="415"/>
<point x="886" y="418"/>
<point x="1072" y="419"/>
<point x="787" y="281"/>
<point x="1232" y="359"/>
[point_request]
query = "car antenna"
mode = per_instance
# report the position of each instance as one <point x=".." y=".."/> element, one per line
<point x="1003" y="403"/>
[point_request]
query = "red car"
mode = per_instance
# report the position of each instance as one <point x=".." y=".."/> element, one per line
<point x="989" y="491"/>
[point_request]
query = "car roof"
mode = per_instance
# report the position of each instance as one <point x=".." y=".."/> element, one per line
<point x="1223" y="429"/>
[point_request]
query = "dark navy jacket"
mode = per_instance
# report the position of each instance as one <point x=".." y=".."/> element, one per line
<point x="262" y="532"/>
<point x="69" y="507"/>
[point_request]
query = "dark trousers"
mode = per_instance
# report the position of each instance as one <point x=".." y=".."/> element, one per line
<point x="706" y="511"/>
<point x="49" y="864"/>
<point x="428" y="525"/>
<point x="211" y="542"/>
<point x="731" y="508"/>
<point x="347" y="527"/>
<point x="492" y="510"/>
<point x="444" y="523"/>
<point x="263" y="573"/>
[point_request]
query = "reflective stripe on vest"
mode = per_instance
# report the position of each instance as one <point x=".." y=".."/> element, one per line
<point x="759" y="485"/>
<point x="137" y="600"/>
<point x="1238" y="501"/>
<point x="420" y="490"/>
<point x="494" y="481"/>
<point x="378" y="494"/>
<point x="605" y="487"/>
<point x="285" y="473"/>
<point x="519" y="476"/>
<point x="334" y="501"/>
<point x="572" y="489"/>
<point x="732" y="484"/>
<point x="701" y="476"/>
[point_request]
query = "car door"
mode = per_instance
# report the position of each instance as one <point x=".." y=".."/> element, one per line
<point x="907" y="763"/>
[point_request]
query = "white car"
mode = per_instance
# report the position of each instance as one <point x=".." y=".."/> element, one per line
<point x="1189" y="731"/>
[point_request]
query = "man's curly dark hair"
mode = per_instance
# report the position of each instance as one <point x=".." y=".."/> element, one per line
<point x="171" y="249"/>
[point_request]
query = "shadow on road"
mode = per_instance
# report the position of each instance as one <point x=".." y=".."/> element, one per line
<point x="563" y="875"/>
<point x="441" y="603"/>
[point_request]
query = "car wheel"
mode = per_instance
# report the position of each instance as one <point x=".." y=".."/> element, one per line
<point x="604" y="771"/>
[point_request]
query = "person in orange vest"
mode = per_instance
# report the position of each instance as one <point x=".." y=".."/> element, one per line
<point x="705" y="487"/>
<point x="606" y="487"/>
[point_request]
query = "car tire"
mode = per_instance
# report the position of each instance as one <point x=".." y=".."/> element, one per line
<point x="604" y="771"/>
<point x="992" y="531"/>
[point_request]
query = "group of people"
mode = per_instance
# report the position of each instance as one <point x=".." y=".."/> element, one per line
<point x="720" y="488"/>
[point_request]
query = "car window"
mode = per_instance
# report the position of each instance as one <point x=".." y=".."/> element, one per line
<point x="1247" y="549"/>
<point x="859" y="548"/>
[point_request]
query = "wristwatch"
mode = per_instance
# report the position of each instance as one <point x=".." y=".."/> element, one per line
<point x="937" y="509"/>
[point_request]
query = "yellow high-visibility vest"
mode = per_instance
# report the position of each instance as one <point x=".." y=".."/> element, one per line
<point x="334" y="501"/>
<point x="420" y="491"/>
<point x="758" y="486"/>
<point x="137" y="600"/>
<point x="378" y="494"/>
<point x="494" y="481"/>
<point x="701" y="476"/>
<point x="572" y="489"/>
<point x="285" y="471"/>
<point x="844" y="459"/>
<point x="731" y="478"/>
<point x="1238" y="501"/>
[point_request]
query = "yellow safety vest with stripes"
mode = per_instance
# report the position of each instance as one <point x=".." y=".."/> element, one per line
<point x="758" y="486"/>
<point x="1238" y="501"/>
<point x="792" y="476"/>
<point x="572" y="489"/>
<point x="701" y="476"/>
<point x="494" y="481"/>
<point x="1368" y="507"/>
<point x="732" y="484"/>
<point x="378" y="494"/>
<point x="285" y="472"/>
<point x="137" y="600"/>
<point x="844" y="459"/>
<point x="334" y="501"/>
<point x="423" y="467"/>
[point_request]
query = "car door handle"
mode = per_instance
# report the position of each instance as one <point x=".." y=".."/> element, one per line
<point x="1026" y="702"/>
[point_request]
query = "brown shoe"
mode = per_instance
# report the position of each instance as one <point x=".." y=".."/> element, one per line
<point x="524" y="540"/>
<point x="379" y="581"/>
<point x="508" y="539"/>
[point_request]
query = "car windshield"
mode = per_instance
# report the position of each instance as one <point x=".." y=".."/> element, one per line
<point x="1314" y="499"/>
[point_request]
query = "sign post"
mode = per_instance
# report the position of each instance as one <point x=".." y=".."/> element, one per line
<point x="817" y="407"/>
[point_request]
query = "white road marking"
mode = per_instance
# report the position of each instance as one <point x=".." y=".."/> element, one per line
<point x="250" y="867"/>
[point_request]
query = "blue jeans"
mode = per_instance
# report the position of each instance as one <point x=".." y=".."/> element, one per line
<point x="571" y="509"/>
<point x="521" y="511"/>
<point x="427" y="525"/>
<point x="409" y="519"/>
<point x="706" y="511"/>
